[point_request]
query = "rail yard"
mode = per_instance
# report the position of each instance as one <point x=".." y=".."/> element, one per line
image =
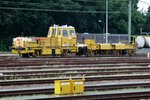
<point x="74" y="49"/>
<point x="120" y="77"/>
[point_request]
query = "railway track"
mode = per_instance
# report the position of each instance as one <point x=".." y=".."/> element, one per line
<point x="74" y="66"/>
<point x="81" y="69"/>
<point x="97" y="87"/>
<point x="134" y="95"/>
<point x="88" y="79"/>
<point x="44" y="70"/>
<point x="48" y="75"/>
<point x="11" y="63"/>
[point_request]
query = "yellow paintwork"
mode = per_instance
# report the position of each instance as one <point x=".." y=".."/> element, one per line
<point x="62" y="40"/>
<point x="46" y="51"/>
<point x="69" y="86"/>
<point x="77" y="86"/>
<point x="26" y="51"/>
<point x="130" y="46"/>
<point x="106" y="46"/>
<point x="64" y="35"/>
<point x="14" y="51"/>
<point x="57" y="51"/>
<point x="62" y="87"/>
<point x="91" y="44"/>
<point x="73" y="49"/>
<point x="32" y="44"/>
<point x="89" y="41"/>
<point x="119" y="46"/>
<point x="95" y="46"/>
<point x="124" y="46"/>
<point x="59" y="38"/>
<point x="48" y="42"/>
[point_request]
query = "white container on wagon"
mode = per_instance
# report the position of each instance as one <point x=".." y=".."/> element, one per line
<point x="140" y="41"/>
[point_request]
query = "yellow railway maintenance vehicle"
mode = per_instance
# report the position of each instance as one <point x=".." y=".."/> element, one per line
<point x="62" y="40"/>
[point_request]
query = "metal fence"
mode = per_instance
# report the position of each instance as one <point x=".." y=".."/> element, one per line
<point x="101" y="38"/>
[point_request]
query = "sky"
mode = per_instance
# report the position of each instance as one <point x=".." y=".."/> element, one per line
<point x="143" y="6"/>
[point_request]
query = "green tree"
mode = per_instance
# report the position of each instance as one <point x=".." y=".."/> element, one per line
<point x="33" y="17"/>
<point x="147" y="22"/>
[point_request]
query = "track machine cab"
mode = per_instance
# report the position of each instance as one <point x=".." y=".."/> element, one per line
<point x="66" y="35"/>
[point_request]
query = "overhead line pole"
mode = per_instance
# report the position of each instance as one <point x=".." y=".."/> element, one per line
<point x="106" y="21"/>
<point x="129" y="21"/>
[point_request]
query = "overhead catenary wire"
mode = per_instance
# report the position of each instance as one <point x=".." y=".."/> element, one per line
<point x="47" y="3"/>
<point x="49" y="10"/>
<point x="102" y="0"/>
<point x="52" y="5"/>
<point x="39" y="4"/>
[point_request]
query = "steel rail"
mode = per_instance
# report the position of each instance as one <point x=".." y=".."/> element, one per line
<point x="39" y="63"/>
<point x="74" y="66"/>
<point x="135" y="95"/>
<point x="50" y="90"/>
<point x="88" y="79"/>
<point x="48" y="75"/>
<point x="15" y="72"/>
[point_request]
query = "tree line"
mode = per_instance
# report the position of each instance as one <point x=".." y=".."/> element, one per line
<point x="33" y="17"/>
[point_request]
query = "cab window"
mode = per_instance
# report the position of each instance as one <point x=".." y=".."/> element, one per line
<point x="65" y="33"/>
<point x="54" y="32"/>
<point x="59" y="32"/>
<point x="72" y="33"/>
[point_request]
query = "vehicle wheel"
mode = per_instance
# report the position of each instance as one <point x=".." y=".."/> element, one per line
<point x="131" y="52"/>
<point x="34" y="55"/>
